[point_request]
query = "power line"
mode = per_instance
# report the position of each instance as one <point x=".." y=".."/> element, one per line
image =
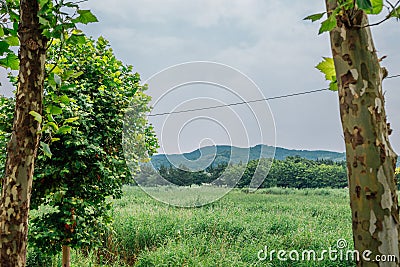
<point x="251" y="101"/>
<point x="393" y="76"/>
<point x="238" y="103"/>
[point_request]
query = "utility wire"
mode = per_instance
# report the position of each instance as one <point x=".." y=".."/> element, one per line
<point x="251" y="101"/>
<point x="393" y="76"/>
<point x="238" y="103"/>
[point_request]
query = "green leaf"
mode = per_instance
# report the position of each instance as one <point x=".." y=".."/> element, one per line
<point x="50" y="117"/>
<point x="46" y="32"/>
<point x="42" y="3"/>
<point x="54" y="110"/>
<point x="364" y="4"/>
<point x="37" y="116"/>
<point x="64" y="130"/>
<point x="1" y="32"/>
<point x="12" y="40"/>
<point x="44" y="21"/>
<point x="71" y="119"/>
<point x="328" y="24"/>
<point x="65" y="99"/>
<point x="46" y="149"/>
<point x="85" y="17"/>
<point x="72" y="74"/>
<point x="377" y="6"/>
<point x="76" y="39"/>
<point x="53" y="126"/>
<point x="10" y="61"/>
<point x="68" y="87"/>
<point x="327" y="67"/>
<point x="315" y="17"/>
<point x="333" y="86"/>
<point x="4" y="47"/>
<point x="55" y="69"/>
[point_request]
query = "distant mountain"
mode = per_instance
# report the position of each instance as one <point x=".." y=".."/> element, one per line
<point x="203" y="157"/>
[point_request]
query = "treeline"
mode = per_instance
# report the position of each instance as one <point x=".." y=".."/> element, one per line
<point x="294" y="172"/>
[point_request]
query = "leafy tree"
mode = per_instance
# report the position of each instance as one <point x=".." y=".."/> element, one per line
<point x="86" y="162"/>
<point x="231" y="175"/>
<point x="148" y="176"/>
<point x="215" y="171"/>
<point x="323" y="175"/>
<point x="256" y="169"/>
<point x="27" y="24"/>
<point x="293" y="172"/>
<point x="371" y="161"/>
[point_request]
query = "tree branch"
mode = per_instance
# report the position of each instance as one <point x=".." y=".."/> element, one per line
<point x="385" y="19"/>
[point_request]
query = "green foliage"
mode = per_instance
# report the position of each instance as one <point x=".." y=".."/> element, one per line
<point x="364" y="4"/>
<point x="346" y="7"/>
<point x="58" y="21"/>
<point x="327" y="67"/>
<point x="83" y="123"/>
<point x="88" y="162"/>
<point x="229" y="232"/>
<point x="376" y="7"/>
<point x="181" y="176"/>
<point x="85" y="17"/>
<point x="8" y="34"/>
<point x="10" y="60"/>
<point x="293" y="172"/>
<point x="37" y="116"/>
<point x="344" y="12"/>
<point x="328" y="24"/>
<point x="373" y="7"/>
<point x="315" y="17"/>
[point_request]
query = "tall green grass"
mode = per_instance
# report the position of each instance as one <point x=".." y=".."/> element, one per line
<point x="229" y="232"/>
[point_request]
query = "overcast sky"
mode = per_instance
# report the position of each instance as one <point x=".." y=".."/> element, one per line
<point x="266" y="40"/>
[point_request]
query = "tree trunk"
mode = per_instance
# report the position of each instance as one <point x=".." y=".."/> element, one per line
<point x="66" y="256"/>
<point x="370" y="158"/>
<point x="22" y="148"/>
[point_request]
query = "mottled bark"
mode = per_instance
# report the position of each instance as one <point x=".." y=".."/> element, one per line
<point x="370" y="158"/>
<point x="22" y="148"/>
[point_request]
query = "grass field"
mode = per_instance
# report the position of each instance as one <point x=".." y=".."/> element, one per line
<point x="229" y="232"/>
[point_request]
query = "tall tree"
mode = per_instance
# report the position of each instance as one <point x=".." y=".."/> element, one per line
<point x="87" y="165"/>
<point x="28" y="24"/>
<point x="370" y="158"/>
<point x="23" y="146"/>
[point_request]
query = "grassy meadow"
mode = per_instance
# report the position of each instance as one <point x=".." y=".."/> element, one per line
<point x="228" y="232"/>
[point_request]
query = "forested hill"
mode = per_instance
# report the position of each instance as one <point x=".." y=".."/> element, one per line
<point x="223" y="153"/>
